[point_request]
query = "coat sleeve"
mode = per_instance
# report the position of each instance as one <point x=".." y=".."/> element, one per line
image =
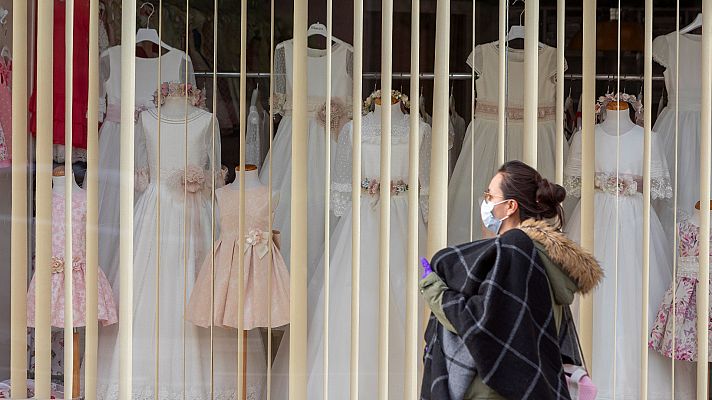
<point x="432" y="289"/>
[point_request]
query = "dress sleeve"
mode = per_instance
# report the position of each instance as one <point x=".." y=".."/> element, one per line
<point x="476" y="61"/>
<point x="214" y="167"/>
<point x="424" y="168"/>
<point x="191" y="73"/>
<point x="141" y="171"/>
<point x="572" y="171"/>
<point x="660" y="186"/>
<point x="280" y="80"/>
<point x="661" y="51"/>
<point x="104" y="72"/>
<point x="341" y="182"/>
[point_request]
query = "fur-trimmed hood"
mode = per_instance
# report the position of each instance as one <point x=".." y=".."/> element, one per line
<point x="577" y="263"/>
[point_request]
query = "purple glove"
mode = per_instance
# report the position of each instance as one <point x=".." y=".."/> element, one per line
<point x="426" y="267"/>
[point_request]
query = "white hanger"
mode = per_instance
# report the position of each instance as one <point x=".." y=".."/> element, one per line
<point x="3" y="15"/>
<point x="5" y="52"/>
<point x="518" y="31"/>
<point x="319" y="29"/>
<point x="255" y="93"/>
<point x="150" y="35"/>
<point x="697" y="23"/>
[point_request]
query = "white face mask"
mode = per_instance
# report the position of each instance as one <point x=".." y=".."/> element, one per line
<point x="487" y="213"/>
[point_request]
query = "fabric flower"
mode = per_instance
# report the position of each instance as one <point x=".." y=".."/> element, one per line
<point x="339" y="117"/>
<point x="195" y="96"/>
<point x="194" y="178"/>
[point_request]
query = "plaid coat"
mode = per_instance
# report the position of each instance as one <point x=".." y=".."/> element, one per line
<point x="499" y="301"/>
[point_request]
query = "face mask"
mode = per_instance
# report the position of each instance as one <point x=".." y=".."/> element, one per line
<point x="487" y="213"/>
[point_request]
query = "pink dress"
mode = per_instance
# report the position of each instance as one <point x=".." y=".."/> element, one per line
<point x="107" y="307"/>
<point x="685" y="313"/>
<point x="256" y="257"/>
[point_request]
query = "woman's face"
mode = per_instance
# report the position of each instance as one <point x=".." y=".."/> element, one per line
<point x="494" y="195"/>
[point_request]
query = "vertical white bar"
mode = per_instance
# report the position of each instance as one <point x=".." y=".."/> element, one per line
<point x="157" y="297"/>
<point x="128" y="95"/>
<point x="473" y="190"/>
<point x="560" y="61"/>
<point x="270" y="205"/>
<point x="298" y="251"/>
<point x="212" y="193"/>
<point x="241" y="333"/>
<point x="385" y="197"/>
<point x="68" y="187"/>
<point x="91" y="342"/>
<point x="501" y="83"/>
<point x="356" y="200"/>
<point x="703" y="299"/>
<point x="43" y="252"/>
<point x="587" y="162"/>
<point x="411" y="300"/>
<point x="531" y="80"/>
<point x="19" y="222"/>
<point x="647" y="151"/>
<point x="437" y="219"/>
<point x="327" y="192"/>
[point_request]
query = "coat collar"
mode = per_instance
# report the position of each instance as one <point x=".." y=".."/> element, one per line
<point x="574" y="261"/>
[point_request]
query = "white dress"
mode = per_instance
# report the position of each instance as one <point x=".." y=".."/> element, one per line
<point x="484" y="132"/>
<point x="316" y="136"/>
<point x="172" y="70"/>
<point x="184" y="365"/>
<point x="627" y="207"/>
<point x="340" y="278"/>
<point x="688" y="97"/>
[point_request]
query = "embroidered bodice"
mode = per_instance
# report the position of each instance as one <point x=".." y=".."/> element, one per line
<point x="486" y="64"/>
<point x="664" y="53"/>
<point x="79" y="214"/>
<point x="371" y="159"/>
<point x="622" y="176"/>
<point x="178" y="166"/>
<point x="256" y="210"/>
<point x="173" y="69"/>
<point x="688" y="245"/>
<point x="341" y="76"/>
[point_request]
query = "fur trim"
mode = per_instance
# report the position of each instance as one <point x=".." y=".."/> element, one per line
<point x="577" y="263"/>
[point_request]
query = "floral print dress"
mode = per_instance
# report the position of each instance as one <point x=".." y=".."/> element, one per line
<point x="678" y="325"/>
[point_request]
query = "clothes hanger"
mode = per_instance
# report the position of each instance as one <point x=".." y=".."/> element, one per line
<point x="148" y="34"/>
<point x="518" y="31"/>
<point x="255" y="95"/>
<point x="319" y="29"/>
<point x="697" y="23"/>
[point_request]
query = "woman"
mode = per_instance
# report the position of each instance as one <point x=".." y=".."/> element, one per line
<point x="500" y="318"/>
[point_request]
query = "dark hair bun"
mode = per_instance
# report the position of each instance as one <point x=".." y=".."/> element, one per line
<point x="549" y="196"/>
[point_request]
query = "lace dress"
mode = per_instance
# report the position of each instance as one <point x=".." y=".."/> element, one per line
<point x="259" y="242"/>
<point x="172" y="70"/>
<point x="107" y="307"/>
<point x="341" y="267"/>
<point x="618" y="240"/>
<point x="316" y="136"/>
<point x="5" y="112"/>
<point x="685" y="95"/>
<point x="484" y="132"/>
<point x="168" y="254"/>
<point x="684" y="318"/>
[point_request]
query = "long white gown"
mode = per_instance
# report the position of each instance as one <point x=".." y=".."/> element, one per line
<point x="484" y="132"/>
<point x="619" y="250"/>
<point x="173" y="68"/>
<point x="686" y="98"/>
<point x="340" y="272"/>
<point x="183" y="369"/>
<point x="316" y="136"/>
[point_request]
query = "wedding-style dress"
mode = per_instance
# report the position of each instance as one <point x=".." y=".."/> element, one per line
<point x="167" y="256"/>
<point x="173" y="69"/>
<point x="341" y="267"/>
<point x="483" y="130"/>
<point x="618" y="241"/>
<point x="316" y="137"/>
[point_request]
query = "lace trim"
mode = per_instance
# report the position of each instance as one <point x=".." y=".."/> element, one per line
<point x="111" y="392"/>
<point x="572" y="184"/>
<point x="515" y="113"/>
<point x="624" y="185"/>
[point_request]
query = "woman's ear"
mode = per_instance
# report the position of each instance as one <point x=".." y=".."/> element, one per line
<point x="512" y="207"/>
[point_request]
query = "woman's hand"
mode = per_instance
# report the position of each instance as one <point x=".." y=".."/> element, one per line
<point x="426" y="267"/>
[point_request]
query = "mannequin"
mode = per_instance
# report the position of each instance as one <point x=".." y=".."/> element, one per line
<point x="617" y="111"/>
<point x="252" y="180"/>
<point x="59" y="180"/>
<point x="396" y="110"/>
<point x="175" y="108"/>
